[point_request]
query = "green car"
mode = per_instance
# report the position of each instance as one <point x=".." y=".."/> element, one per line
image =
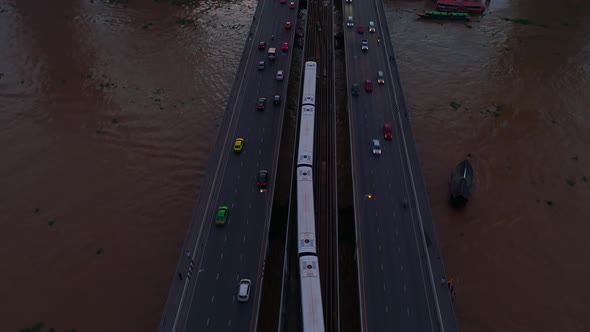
<point x="221" y="215"/>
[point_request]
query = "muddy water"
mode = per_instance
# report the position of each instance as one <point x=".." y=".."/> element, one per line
<point x="107" y="116"/>
<point x="108" y="113"/>
<point x="519" y="249"/>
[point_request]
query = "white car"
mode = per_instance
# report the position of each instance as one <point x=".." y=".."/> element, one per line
<point x="244" y="290"/>
<point x="280" y="75"/>
<point x="364" y="45"/>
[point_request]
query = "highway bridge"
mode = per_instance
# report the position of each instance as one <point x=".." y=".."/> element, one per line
<point x="399" y="260"/>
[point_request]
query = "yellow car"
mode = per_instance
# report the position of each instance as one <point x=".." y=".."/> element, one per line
<point x="239" y="145"/>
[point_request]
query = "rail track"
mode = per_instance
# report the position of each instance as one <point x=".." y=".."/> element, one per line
<point x="318" y="47"/>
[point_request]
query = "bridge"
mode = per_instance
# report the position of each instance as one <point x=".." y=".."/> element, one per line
<point x="397" y="256"/>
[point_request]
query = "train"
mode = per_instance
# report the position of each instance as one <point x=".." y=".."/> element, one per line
<point x="309" y="273"/>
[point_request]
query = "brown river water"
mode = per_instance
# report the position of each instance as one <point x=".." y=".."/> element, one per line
<point x="108" y="113"/>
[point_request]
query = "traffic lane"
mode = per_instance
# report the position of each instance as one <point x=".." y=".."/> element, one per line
<point x="224" y="267"/>
<point x="248" y="68"/>
<point x="415" y="312"/>
<point x="387" y="266"/>
<point x="443" y="295"/>
<point x="376" y="115"/>
<point x="250" y="179"/>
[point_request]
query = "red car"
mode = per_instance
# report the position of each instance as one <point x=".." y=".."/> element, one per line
<point x="387" y="132"/>
<point x="288" y="25"/>
<point x="368" y="86"/>
<point x="291" y="4"/>
<point x="283" y="1"/>
<point x="261" y="45"/>
<point x="285" y="46"/>
<point x="360" y="28"/>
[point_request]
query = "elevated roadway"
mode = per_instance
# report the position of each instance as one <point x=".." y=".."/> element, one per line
<point x="214" y="258"/>
<point x="400" y="267"/>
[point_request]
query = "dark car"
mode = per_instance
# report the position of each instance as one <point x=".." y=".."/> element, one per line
<point x="368" y="85"/>
<point x="355" y="89"/>
<point x="262" y="178"/>
<point x="262" y="45"/>
<point x="277" y="100"/>
<point x="261" y="104"/>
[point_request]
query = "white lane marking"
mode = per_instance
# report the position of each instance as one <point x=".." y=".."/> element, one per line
<point x="386" y="309"/>
<point x="405" y="288"/>
<point x="377" y="229"/>
<point x="408" y="308"/>
<point x="379" y="247"/>
<point x="237" y="277"/>
<point x="401" y="267"/>
<point x="221" y="258"/>
<point x="384" y="288"/>
<point x="241" y="164"/>
<point x="225" y="239"/>
<point x="398" y="250"/>
<point x="212" y="298"/>
<point x="232" y="205"/>
<point x="236" y="191"/>
<point x="246" y="221"/>
<point x="229" y="323"/>
<point x="376" y="213"/>
<point x="241" y="257"/>
<point x="244" y="240"/>
<point x="208" y="321"/>
<point x="259" y="153"/>
<point x="381" y="266"/>
<point x="217" y="277"/>
<point x="250" y="204"/>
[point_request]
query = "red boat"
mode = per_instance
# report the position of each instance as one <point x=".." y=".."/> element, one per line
<point x="471" y="6"/>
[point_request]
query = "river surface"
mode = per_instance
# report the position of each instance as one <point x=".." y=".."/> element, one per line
<point x="108" y="112"/>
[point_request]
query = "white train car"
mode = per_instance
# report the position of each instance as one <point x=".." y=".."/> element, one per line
<point x="306" y="136"/>
<point x="311" y="294"/>
<point x="309" y="81"/>
<point x="306" y="241"/>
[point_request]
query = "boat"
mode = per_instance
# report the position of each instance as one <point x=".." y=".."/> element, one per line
<point x="443" y="15"/>
<point x="471" y="6"/>
<point x="461" y="183"/>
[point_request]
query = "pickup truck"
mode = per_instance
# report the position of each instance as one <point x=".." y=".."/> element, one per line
<point x="272" y="53"/>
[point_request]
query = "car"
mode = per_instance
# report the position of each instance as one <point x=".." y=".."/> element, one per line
<point x="221" y="215"/>
<point x="349" y="22"/>
<point x="280" y="75"/>
<point x="387" y="132"/>
<point x="261" y="104"/>
<point x="239" y="144"/>
<point x="261" y="45"/>
<point x="348" y="1"/>
<point x="355" y="89"/>
<point x="260" y="65"/>
<point x="371" y="26"/>
<point x="380" y="77"/>
<point x="288" y="25"/>
<point x="368" y="85"/>
<point x="364" y="45"/>
<point x="283" y="1"/>
<point x="277" y="100"/>
<point x="285" y="46"/>
<point x="376" y="147"/>
<point x="244" y="290"/>
<point x="292" y="4"/>
<point x="262" y="178"/>
<point x="360" y="28"/>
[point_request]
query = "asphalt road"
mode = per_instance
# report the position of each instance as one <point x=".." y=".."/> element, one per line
<point x="222" y="255"/>
<point x="397" y="291"/>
